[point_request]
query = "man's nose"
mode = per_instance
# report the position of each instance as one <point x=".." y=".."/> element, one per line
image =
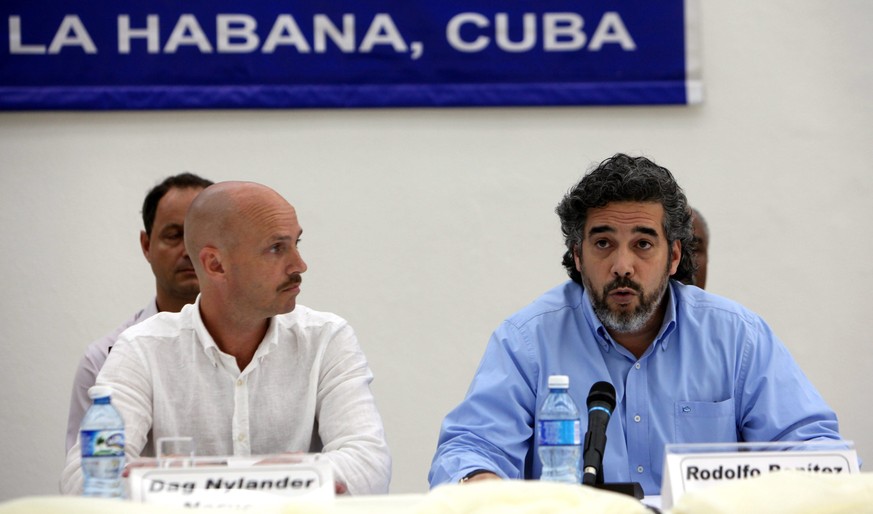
<point x="297" y="264"/>
<point x="623" y="265"/>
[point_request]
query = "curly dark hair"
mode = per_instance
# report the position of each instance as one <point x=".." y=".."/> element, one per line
<point x="622" y="178"/>
<point x="181" y="181"/>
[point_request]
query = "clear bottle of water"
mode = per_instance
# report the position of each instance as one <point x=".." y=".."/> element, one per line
<point x="102" y="440"/>
<point x="559" y="434"/>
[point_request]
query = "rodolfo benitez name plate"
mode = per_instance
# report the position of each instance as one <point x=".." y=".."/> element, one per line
<point x="692" y="467"/>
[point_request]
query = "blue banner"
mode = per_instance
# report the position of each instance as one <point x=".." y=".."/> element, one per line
<point x="169" y="54"/>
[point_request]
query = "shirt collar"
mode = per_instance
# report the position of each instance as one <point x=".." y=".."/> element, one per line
<point x="605" y="340"/>
<point x="203" y="336"/>
<point x="211" y="349"/>
<point x="669" y="323"/>
<point x="270" y="340"/>
<point x="148" y="311"/>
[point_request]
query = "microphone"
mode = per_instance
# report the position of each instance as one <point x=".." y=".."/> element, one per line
<point x="601" y="403"/>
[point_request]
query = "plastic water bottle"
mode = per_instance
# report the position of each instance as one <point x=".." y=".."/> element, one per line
<point x="102" y="440"/>
<point x="559" y="434"/>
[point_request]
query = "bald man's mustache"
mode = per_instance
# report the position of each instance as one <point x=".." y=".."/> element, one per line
<point x="295" y="280"/>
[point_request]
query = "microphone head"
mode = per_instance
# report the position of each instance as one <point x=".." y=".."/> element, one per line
<point x="602" y="394"/>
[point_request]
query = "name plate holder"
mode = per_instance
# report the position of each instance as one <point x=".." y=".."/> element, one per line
<point x="231" y="482"/>
<point x="692" y="467"/>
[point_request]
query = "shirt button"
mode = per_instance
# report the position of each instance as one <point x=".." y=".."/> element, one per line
<point x="241" y="437"/>
<point x="637" y="418"/>
<point x="639" y="469"/>
<point x="240" y="382"/>
<point x="686" y="408"/>
<point x="637" y="365"/>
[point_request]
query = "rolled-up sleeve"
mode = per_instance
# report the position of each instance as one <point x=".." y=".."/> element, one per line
<point x="349" y="424"/>
<point x="778" y="402"/>
<point x="492" y="428"/>
<point x="126" y="373"/>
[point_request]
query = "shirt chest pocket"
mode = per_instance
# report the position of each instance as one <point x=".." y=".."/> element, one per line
<point x="705" y="422"/>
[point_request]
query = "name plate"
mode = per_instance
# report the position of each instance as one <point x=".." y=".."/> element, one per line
<point x="231" y="483"/>
<point x="694" y="467"/>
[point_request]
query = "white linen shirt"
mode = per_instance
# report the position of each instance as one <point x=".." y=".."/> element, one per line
<point x="307" y="389"/>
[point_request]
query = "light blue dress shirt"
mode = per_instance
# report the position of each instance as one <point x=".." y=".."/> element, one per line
<point x="715" y="373"/>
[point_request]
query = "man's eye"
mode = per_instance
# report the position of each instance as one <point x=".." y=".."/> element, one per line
<point x="645" y="245"/>
<point x="601" y="243"/>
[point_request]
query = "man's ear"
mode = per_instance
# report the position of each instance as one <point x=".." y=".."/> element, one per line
<point x="675" y="256"/>
<point x="211" y="260"/>
<point x="577" y="259"/>
<point x="145" y="243"/>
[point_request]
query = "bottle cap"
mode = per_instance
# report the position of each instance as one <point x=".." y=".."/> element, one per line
<point x="95" y="392"/>
<point x="559" y="382"/>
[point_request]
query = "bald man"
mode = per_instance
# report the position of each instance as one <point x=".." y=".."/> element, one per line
<point x="245" y="370"/>
<point x="700" y="249"/>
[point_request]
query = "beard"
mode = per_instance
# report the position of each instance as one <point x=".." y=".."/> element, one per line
<point x="622" y="321"/>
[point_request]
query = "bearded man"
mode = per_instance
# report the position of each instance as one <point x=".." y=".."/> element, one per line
<point x="688" y="366"/>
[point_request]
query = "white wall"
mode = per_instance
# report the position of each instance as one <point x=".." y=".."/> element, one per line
<point x="426" y="227"/>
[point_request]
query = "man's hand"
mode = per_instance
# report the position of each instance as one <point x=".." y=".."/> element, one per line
<point x="487" y="475"/>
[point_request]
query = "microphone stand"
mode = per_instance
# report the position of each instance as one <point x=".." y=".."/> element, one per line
<point x="629" y="488"/>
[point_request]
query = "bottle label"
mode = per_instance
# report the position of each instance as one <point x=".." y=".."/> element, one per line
<point x="102" y="443"/>
<point x="560" y="432"/>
